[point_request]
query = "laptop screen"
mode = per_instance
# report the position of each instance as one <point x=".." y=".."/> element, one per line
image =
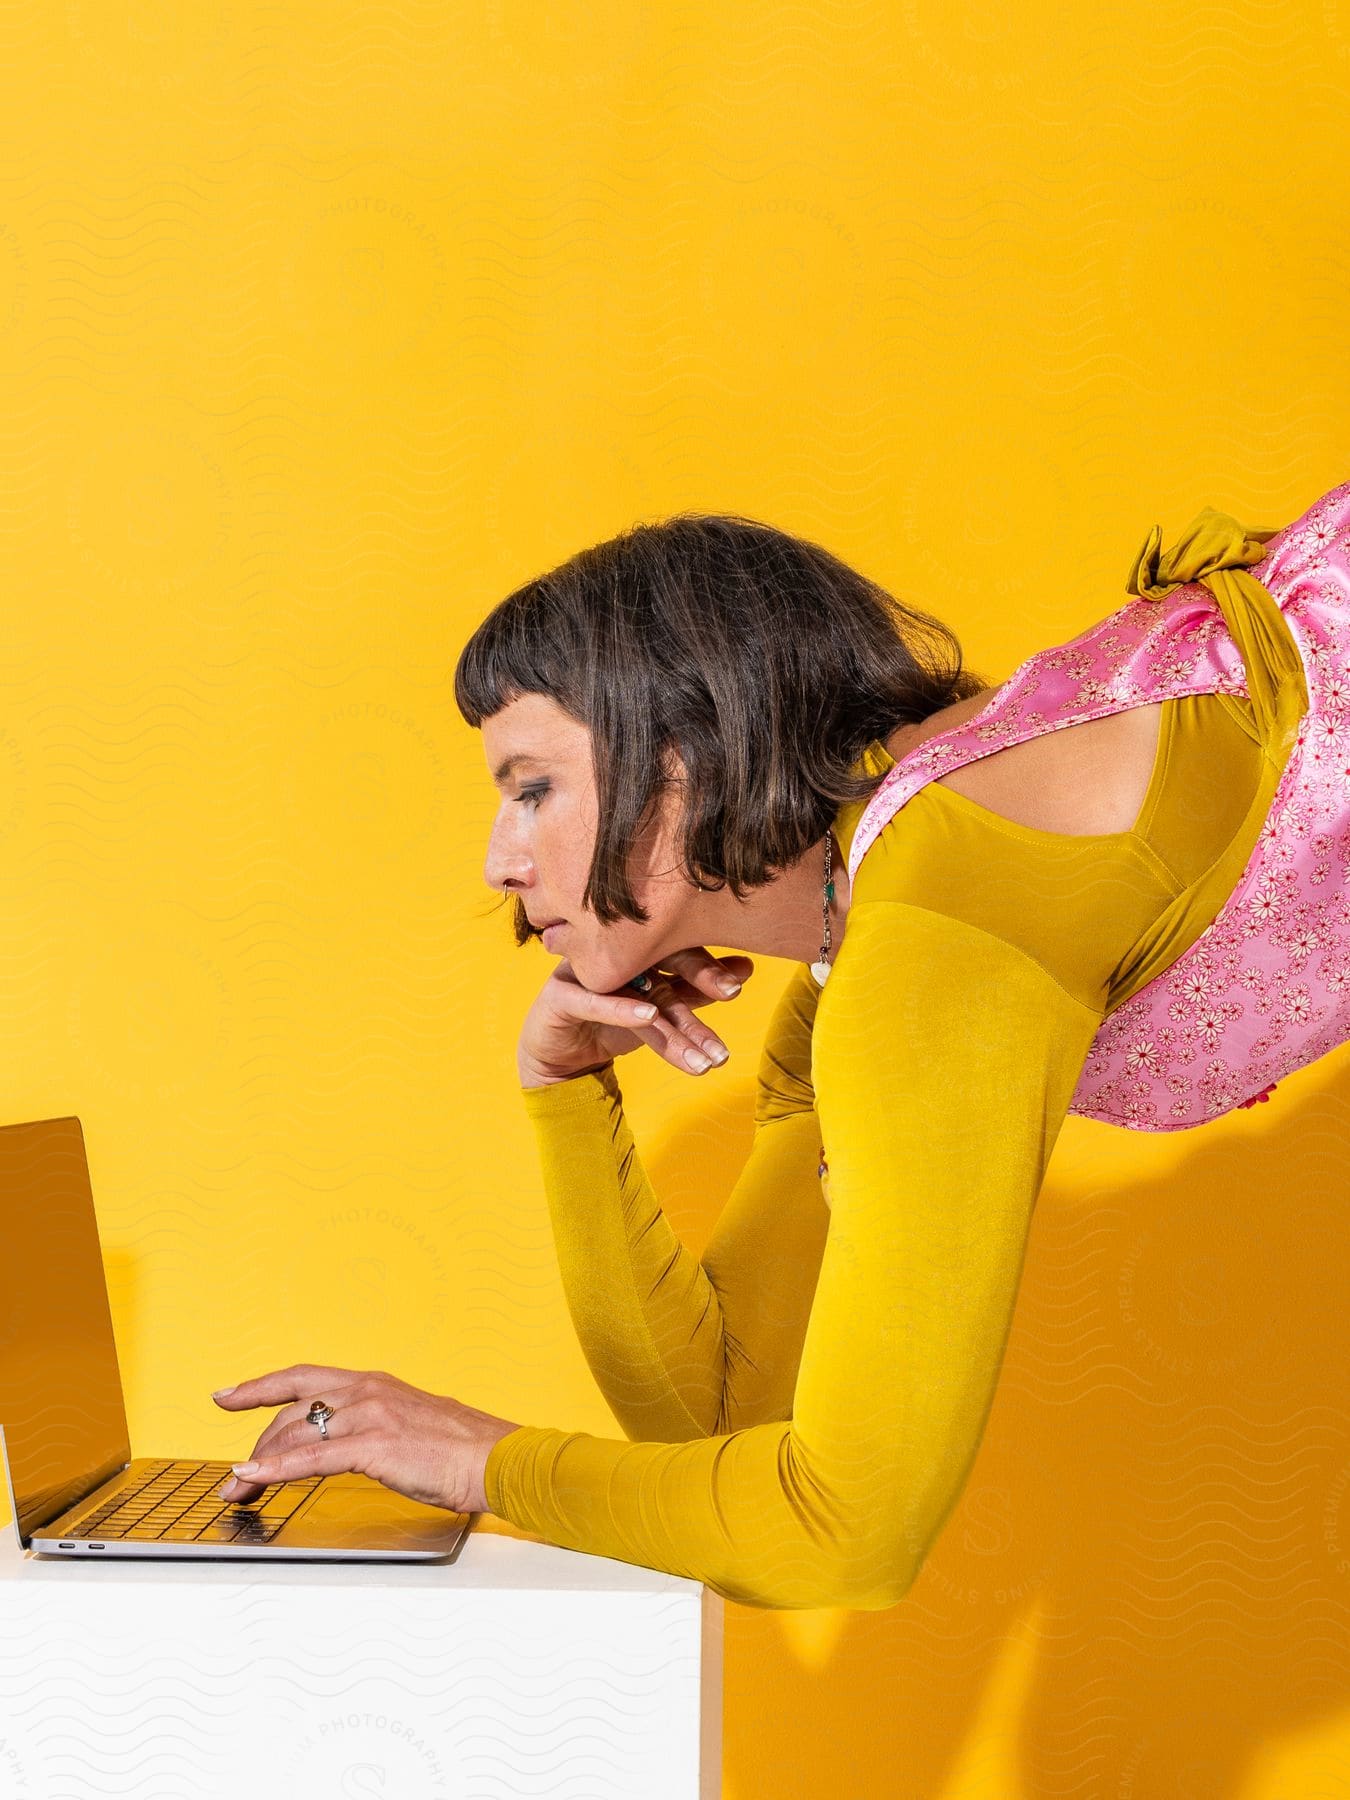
<point x="61" y="1411"/>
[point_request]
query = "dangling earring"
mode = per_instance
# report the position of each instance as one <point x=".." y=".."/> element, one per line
<point x="820" y="970"/>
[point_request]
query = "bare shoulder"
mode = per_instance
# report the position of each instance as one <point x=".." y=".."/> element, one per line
<point x="1079" y="780"/>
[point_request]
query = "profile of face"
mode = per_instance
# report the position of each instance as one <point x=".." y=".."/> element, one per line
<point x="543" y="838"/>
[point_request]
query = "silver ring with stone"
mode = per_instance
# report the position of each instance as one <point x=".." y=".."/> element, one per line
<point x="320" y="1412"/>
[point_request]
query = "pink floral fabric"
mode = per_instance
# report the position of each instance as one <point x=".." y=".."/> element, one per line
<point x="1265" y="989"/>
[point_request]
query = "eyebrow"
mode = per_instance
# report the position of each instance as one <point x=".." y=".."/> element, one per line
<point x="500" y="773"/>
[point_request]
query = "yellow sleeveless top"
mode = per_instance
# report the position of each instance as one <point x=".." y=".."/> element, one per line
<point x="805" y="1401"/>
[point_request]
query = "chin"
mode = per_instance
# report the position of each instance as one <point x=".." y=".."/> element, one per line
<point x="594" y="973"/>
<point x="602" y="975"/>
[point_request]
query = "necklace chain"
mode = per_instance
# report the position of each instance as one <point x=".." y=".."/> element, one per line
<point x="820" y="970"/>
<point x="828" y="896"/>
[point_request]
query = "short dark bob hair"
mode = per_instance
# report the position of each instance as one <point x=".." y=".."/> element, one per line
<point x="766" y="661"/>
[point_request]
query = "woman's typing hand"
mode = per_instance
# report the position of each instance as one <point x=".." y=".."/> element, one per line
<point x="426" y="1446"/>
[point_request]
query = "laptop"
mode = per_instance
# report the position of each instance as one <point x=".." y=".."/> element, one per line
<point x="74" y="1485"/>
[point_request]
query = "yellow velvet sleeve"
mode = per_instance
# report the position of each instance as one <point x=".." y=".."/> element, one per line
<point x="683" y="1347"/>
<point x="944" y="1063"/>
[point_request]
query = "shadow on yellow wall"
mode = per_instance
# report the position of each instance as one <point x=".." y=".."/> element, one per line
<point x="1145" y="1584"/>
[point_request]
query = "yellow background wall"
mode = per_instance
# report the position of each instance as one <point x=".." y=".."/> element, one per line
<point x="321" y="326"/>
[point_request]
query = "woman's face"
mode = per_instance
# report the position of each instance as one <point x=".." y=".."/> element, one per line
<point x="543" y="837"/>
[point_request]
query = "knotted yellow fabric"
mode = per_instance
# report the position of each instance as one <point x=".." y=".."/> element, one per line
<point x="1217" y="550"/>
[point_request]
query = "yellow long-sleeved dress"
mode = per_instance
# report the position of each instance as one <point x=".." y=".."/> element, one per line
<point x="807" y="1400"/>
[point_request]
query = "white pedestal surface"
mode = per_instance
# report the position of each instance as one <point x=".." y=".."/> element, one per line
<point x="517" y="1670"/>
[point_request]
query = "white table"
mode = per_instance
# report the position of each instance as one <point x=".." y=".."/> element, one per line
<point x="517" y="1670"/>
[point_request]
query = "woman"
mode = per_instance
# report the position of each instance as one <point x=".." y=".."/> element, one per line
<point x="707" y="731"/>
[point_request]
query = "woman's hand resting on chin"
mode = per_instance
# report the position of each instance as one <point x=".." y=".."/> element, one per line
<point x="425" y="1446"/>
<point x="571" y="1030"/>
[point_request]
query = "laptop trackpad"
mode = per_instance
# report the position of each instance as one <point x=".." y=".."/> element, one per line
<point x="353" y="1512"/>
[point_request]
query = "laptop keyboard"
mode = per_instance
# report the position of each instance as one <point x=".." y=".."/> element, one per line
<point x="177" y="1502"/>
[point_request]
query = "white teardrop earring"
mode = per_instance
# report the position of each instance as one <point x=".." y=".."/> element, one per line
<point x="820" y="970"/>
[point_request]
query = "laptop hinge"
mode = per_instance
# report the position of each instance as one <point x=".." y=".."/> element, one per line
<point x="73" y="1497"/>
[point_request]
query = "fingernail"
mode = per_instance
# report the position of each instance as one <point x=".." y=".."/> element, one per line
<point x="245" y="1468"/>
<point x="720" y="1054"/>
<point x="220" y="1393"/>
<point x="697" y="1060"/>
<point x="728" y="984"/>
<point x="227" y="1488"/>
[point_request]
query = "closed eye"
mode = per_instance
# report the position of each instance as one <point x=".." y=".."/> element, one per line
<point x="532" y="795"/>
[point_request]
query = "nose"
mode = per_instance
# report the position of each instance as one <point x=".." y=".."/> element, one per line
<point x="508" y="863"/>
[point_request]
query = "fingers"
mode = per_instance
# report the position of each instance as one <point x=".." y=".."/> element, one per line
<point x="695" y="977"/>
<point x="663" y="1016"/>
<point x="235" y="1487"/>
<point x="720" y="977"/>
<point x="707" y="977"/>
<point x="302" y="1381"/>
<point x="325" y="1456"/>
<point x="686" y="1038"/>
<point x="284" y="1449"/>
<point x="616" y="1009"/>
<point x="300" y="1384"/>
